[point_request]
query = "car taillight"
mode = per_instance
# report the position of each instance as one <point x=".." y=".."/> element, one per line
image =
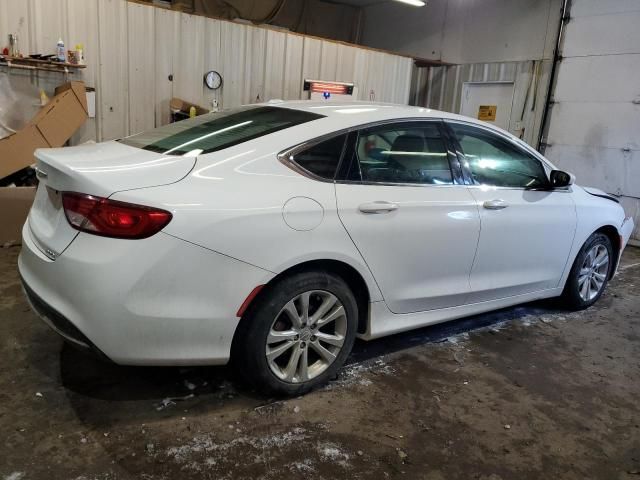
<point x="110" y="218"/>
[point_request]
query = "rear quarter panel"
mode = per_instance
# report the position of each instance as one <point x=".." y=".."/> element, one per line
<point x="232" y="203"/>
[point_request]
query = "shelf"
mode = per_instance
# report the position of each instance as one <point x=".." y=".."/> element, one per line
<point x="38" y="64"/>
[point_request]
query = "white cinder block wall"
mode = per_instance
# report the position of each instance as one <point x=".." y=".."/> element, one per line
<point x="131" y="49"/>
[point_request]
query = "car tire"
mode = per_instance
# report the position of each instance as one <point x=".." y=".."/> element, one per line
<point x="587" y="281"/>
<point x="273" y="342"/>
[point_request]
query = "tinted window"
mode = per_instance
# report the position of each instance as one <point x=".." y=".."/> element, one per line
<point x="494" y="161"/>
<point x="216" y="131"/>
<point x="322" y="158"/>
<point x="401" y="153"/>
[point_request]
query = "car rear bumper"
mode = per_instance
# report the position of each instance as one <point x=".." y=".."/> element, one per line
<point x="59" y="323"/>
<point x="158" y="301"/>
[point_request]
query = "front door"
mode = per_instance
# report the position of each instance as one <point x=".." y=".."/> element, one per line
<point x="527" y="229"/>
<point x="416" y="228"/>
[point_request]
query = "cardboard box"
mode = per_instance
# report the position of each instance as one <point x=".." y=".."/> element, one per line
<point x="179" y="105"/>
<point x="15" y="203"/>
<point x="52" y="126"/>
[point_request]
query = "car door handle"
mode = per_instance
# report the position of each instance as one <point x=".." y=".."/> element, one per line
<point x="378" y="207"/>
<point x="497" y="204"/>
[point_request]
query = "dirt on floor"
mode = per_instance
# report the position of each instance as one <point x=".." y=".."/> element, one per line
<point x="523" y="393"/>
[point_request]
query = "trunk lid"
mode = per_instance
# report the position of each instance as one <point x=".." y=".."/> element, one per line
<point x="98" y="169"/>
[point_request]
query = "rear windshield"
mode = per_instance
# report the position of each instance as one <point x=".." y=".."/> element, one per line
<point x="215" y="131"/>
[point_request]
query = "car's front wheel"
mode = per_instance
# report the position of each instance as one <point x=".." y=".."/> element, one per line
<point x="297" y="334"/>
<point x="590" y="272"/>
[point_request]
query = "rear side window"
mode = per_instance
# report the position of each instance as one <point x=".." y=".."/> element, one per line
<point x="322" y="159"/>
<point x="401" y="153"/>
<point x="216" y="131"/>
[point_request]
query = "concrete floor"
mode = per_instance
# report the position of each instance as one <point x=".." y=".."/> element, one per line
<point x="528" y="392"/>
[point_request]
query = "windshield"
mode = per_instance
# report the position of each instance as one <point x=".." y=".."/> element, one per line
<point x="215" y="131"/>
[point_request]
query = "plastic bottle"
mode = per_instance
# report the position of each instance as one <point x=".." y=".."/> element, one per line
<point x="60" y="52"/>
<point x="192" y="112"/>
<point x="44" y="99"/>
<point x="80" y="54"/>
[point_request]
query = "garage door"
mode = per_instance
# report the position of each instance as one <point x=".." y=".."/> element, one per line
<point x="594" y="126"/>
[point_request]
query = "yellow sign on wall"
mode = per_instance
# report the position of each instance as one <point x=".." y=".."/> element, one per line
<point x="487" y="113"/>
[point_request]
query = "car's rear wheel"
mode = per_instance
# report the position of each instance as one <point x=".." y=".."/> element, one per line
<point x="590" y="272"/>
<point x="297" y="334"/>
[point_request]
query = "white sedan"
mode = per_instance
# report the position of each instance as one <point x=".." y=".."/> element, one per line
<point x="273" y="235"/>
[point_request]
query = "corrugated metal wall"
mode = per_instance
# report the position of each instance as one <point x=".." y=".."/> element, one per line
<point x="440" y="88"/>
<point x="131" y="49"/>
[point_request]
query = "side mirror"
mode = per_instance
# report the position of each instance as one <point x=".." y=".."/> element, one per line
<point x="560" y="179"/>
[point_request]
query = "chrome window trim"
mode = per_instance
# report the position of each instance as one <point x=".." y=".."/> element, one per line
<point x="549" y="190"/>
<point x="389" y="184"/>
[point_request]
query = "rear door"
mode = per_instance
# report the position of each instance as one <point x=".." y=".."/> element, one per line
<point x="527" y="228"/>
<point x="399" y="197"/>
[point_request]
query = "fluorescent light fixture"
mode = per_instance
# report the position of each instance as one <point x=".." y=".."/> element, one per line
<point x="415" y="3"/>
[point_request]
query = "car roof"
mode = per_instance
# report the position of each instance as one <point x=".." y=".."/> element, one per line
<point x="349" y="114"/>
<point x="363" y="112"/>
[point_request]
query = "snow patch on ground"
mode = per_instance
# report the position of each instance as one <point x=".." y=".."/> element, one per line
<point x="14" y="476"/>
<point x="305" y="466"/>
<point x="459" y="338"/>
<point x="206" y="453"/>
<point x="104" y="476"/>
<point x="333" y="453"/>
<point x="519" y="316"/>
<point x="357" y="373"/>
<point x="214" y="452"/>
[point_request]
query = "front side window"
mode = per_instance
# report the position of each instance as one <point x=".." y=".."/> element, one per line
<point x="495" y="162"/>
<point x="215" y="131"/>
<point x="322" y="159"/>
<point x="401" y="153"/>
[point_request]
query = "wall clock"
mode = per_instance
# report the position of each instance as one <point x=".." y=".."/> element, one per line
<point x="213" y="80"/>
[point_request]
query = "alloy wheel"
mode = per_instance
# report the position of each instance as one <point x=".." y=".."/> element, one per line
<point x="593" y="273"/>
<point x="306" y="336"/>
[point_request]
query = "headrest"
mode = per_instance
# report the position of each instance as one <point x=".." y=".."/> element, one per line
<point x="408" y="143"/>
